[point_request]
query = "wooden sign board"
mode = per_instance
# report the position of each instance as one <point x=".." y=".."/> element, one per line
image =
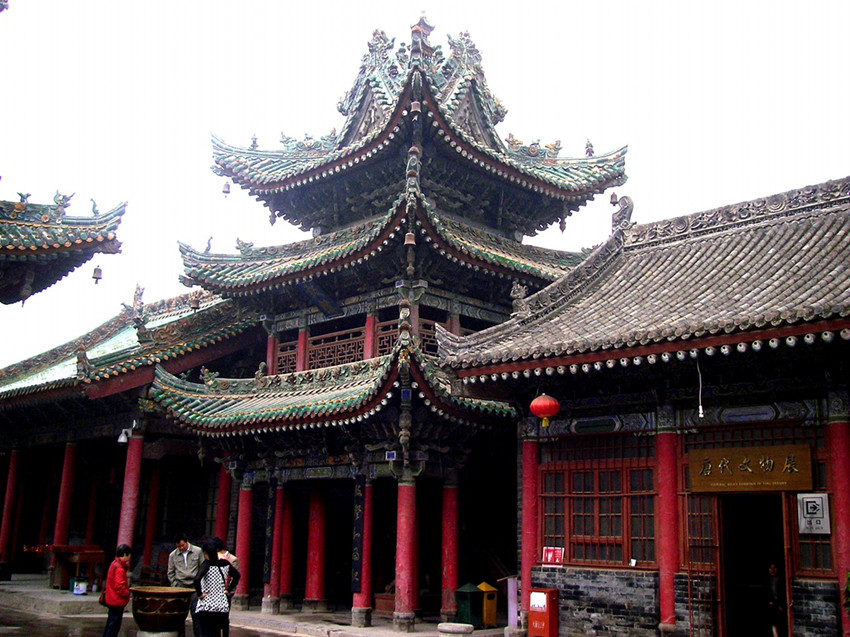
<point x="783" y="468"/>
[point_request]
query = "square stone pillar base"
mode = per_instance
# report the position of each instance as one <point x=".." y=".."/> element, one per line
<point x="271" y="606"/>
<point x="314" y="606"/>
<point x="361" y="617"/>
<point x="404" y="622"/>
<point x="239" y="602"/>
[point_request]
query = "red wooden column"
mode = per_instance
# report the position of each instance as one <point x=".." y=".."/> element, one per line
<point x="271" y="591"/>
<point x="301" y="349"/>
<point x="286" y="602"/>
<point x="130" y="497"/>
<point x="8" y="508"/>
<point x="271" y="355"/>
<point x="405" y="556"/>
<point x="243" y="541"/>
<point x="314" y="589"/>
<point x="667" y="525"/>
<point x="361" y="607"/>
<point x="837" y="439"/>
<point x="222" y="505"/>
<point x="152" y="515"/>
<point x="448" y="605"/>
<point x="370" y="340"/>
<point x="529" y="555"/>
<point x="66" y="495"/>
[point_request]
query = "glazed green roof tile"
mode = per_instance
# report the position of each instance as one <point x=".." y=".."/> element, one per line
<point x="40" y="244"/>
<point x="260" y="267"/>
<point x="256" y="269"/>
<point x="140" y="336"/>
<point x="399" y="91"/>
<point x="332" y="396"/>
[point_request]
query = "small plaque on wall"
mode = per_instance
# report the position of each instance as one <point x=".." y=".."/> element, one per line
<point x="553" y="555"/>
<point x="813" y="513"/>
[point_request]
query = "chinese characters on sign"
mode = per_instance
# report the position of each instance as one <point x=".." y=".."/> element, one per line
<point x="357" y="536"/>
<point x="782" y="468"/>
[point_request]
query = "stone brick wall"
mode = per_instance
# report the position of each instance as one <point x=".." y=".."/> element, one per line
<point x="602" y="602"/>
<point x="815" y="608"/>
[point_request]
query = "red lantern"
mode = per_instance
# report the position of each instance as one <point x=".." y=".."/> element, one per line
<point x="545" y="407"/>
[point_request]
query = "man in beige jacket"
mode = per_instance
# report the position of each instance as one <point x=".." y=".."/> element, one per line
<point x="184" y="562"/>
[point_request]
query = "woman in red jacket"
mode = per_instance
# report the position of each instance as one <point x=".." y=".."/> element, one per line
<point x="117" y="590"/>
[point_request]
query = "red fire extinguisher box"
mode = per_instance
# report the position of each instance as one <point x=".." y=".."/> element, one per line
<point x="543" y="612"/>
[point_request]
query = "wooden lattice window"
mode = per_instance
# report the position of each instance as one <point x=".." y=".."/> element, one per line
<point x="386" y="334"/>
<point x="428" y="337"/>
<point x="554" y="527"/>
<point x="702" y="531"/>
<point x="337" y="348"/>
<point x="286" y="357"/>
<point x="599" y="500"/>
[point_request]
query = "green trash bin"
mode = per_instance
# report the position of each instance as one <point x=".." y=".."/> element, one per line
<point x="470" y="605"/>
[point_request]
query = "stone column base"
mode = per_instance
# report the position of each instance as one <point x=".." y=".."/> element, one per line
<point x="314" y="606"/>
<point x="147" y="633"/>
<point x="286" y="603"/>
<point x="271" y="606"/>
<point x="239" y="602"/>
<point x="361" y="617"/>
<point x="404" y="622"/>
<point x="666" y="629"/>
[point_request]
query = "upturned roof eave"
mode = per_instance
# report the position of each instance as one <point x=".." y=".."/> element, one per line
<point x="317" y="169"/>
<point x="184" y="401"/>
<point x="523" y="174"/>
<point x="308" y="267"/>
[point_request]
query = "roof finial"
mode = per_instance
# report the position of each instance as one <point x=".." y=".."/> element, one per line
<point x="419" y="45"/>
<point x="588" y="149"/>
<point x="253" y="142"/>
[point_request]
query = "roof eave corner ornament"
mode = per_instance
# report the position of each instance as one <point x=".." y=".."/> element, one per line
<point x="84" y="367"/>
<point x="622" y="217"/>
<point x="521" y="309"/>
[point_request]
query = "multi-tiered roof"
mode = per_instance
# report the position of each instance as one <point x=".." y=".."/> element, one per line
<point x="416" y="186"/>
<point x="418" y="161"/>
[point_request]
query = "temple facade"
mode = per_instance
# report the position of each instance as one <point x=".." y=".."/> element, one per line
<point x="354" y="413"/>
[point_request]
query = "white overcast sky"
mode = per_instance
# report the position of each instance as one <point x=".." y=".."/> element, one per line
<point x="718" y="102"/>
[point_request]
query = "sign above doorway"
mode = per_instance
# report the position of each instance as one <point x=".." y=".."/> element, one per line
<point x="735" y="469"/>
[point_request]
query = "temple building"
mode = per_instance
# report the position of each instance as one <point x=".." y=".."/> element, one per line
<point x="354" y="413"/>
<point x="701" y="424"/>
<point x="40" y="244"/>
